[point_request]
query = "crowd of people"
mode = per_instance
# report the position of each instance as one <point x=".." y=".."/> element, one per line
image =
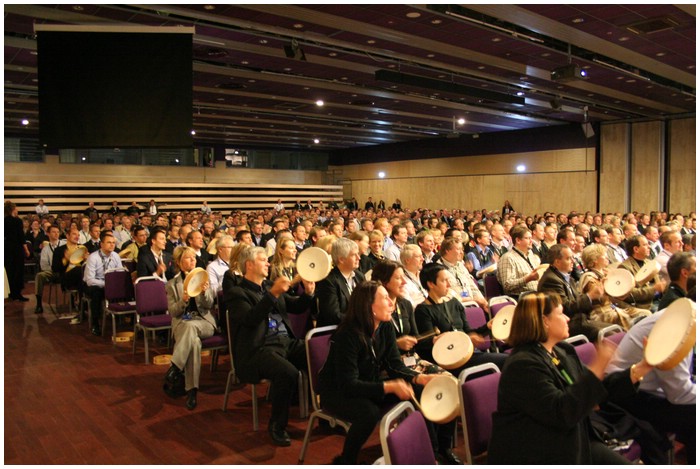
<point x="396" y="273"/>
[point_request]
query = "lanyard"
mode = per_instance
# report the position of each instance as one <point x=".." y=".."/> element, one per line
<point x="398" y="324"/>
<point x="444" y="310"/>
<point x="524" y="257"/>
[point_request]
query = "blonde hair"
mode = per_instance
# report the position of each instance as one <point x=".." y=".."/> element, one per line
<point x="180" y="252"/>
<point x="592" y="253"/>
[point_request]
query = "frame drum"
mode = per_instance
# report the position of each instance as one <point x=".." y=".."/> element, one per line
<point x="77" y="256"/>
<point x="541" y="268"/>
<point x="647" y="272"/>
<point x="211" y="249"/>
<point x="314" y="264"/>
<point x="439" y="401"/>
<point x="194" y="281"/>
<point x="452" y="350"/>
<point x="618" y="283"/>
<point x="500" y="327"/>
<point x="673" y="335"/>
<point x="487" y="270"/>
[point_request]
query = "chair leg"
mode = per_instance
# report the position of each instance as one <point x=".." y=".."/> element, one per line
<point x="145" y="342"/>
<point x="229" y="383"/>
<point x="255" y="407"/>
<point x="307" y="437"/>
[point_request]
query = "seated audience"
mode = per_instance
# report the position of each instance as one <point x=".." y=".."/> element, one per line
<point x="516" y="268"/>
<point x="334" y="291"/>
<point x="97" y="264"/>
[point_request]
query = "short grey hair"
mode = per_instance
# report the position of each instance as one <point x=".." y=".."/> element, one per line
<point x="221" y="239"/>
<point x="249" y="254"/>
<point x="342" y="248"/>
<point x="408" y="251"/>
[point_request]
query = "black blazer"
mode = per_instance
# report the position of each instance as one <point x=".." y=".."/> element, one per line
<point x="92" y="246"/>
<point x="354" y="365"/>
<point x="249" y="306"/>
<point x="333" y="297"/>
<point x="541" y="415"/>
<point x="204" y="259"/>
<point x="146" y="263"/>
<point x="573" y="301"/>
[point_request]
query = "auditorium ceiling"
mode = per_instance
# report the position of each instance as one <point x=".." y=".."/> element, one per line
<point x="395" y="73"/>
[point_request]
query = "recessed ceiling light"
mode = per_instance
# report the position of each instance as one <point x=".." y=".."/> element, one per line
<point x="25" y="121"/>
<point x="317" y="141"/>
<point x="436" y="21"/>
<point x="332" y="54"/>
<point x="577" y="20"/>
<point x="263" y="41"/>
<point x="287" y="69"/>
<point x="660" y="54"/>
<point x="78" y="8"/>
<point x="209" y="7"/>
<point x="413" y="14"/>
<point x="371" y="41"/>
<point x="251" y="81"/>
<point x="319" y="102"/>
<point x="298" y="26"/>
<point x="381" y="174"/>
<point x="430" y="56"/>
<point x="496" y="39"/>
<point x="520" y="168"/>
<point x="624" y="38"/>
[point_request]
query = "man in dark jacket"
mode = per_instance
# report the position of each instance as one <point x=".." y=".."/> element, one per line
<point x="263" y="339"/>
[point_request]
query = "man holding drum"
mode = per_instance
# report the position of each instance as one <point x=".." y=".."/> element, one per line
<point x="642" y="295"/>
<point x="666" y="398"/>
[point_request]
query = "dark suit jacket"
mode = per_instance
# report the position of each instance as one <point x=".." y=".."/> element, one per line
<point x="249" y="306"/>
<point x="545" y="418"/>
<point x="204" y="259"/>
<point x="576" y="305"/>
<point x="147" y="264"/>
<point x="333" y="296"/>
<point x="92" y="246"/>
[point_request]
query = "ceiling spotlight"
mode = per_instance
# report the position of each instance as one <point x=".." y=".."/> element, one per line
<point x="461" y="121"/>
<point x="320" y="103"/>
<point x="317" y="141"/>
<point x="25" y="121"/>
<point x="381" y="174"/>
<point x="520" y="168"/>
<point x="193" y="132"/>
<point x="294" y="51"/>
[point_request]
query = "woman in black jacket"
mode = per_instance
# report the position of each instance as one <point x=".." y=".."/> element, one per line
<point x="545" y="394"/>
<point x="362" y="350"/>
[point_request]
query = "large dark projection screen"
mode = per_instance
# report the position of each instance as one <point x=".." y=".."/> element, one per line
<point x="114" y="88"/>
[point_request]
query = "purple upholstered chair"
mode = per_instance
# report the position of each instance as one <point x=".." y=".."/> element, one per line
<point x="318" y="343"/>
<point x="478" y="400"/>
<point x="405" y="442"/>
<point x="151" y="309"/>
<point x="119" y="298"/>
<point x="476" y="318"/>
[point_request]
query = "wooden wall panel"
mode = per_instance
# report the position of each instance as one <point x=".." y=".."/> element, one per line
<point x="614" y="141"/>
<point x="682" y="166"/>
<point x="531" y="193"/>
<point x="645" y="186"/>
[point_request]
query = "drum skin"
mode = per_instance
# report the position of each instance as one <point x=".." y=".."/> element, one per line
<point x="618" y="283"/>
<point x="194" y="281"/>
<point x="502" y="322"/>
<point x="452" y="350"/>
<point x="673" y="335"/>
<point x="313" y="264"/>
<point x="440" y="399"/>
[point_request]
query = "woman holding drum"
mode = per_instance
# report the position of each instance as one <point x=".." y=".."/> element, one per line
<point x="364" y="374"/>
<point x="595" y="259"/>
<point x="190" y="301"/>
<point x="545" y="394"/>
<point x="446" y="313"/>
<point x="391" y="275"/>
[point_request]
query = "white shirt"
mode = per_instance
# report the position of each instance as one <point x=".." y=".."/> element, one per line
<point x="216" y="270"/>
<point x="96" y="266"/>
<point x="46" y="256"/>
<point x="41" y="209"/>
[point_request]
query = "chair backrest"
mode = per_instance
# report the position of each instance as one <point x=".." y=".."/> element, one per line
<point x="586" y="352"/>
<point x="616" y="338"/>
<point x="318" y="344"/>
<point x="150" y="296"/>
<point x="118" y="286"/>
<point x="405" y="441"/>
<point x="495" y="304"/>
<point x="300" y="323"/>
<point x="492" y="286"/>
<point x="478" y="400"/>
<point x="610" y="330"/>
<point x="476" y="318"/>
<point x="577" y="339"/>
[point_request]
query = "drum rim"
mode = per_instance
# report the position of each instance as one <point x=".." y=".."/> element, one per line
<point x="301" y="266"/>
<point x="508" y="309"/>
<point x="462" y="361"/>
<point x="454" y="387"/>
<point x="188" y="279"/>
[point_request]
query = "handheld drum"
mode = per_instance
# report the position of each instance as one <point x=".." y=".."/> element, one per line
<point x="452" y="350"/>
<point x="648" y="271"/>
<point x="439" y="401"/>
<point x="541" y="268"/>
<point x="76" y="257"/>
<point x="673" y="335"/>
<point x="502" y="321"/>
<point x="194" y="281"/>
<point x="314" y="264"/>
<point x="487" y="270"/>
<point x="618" y="283"/>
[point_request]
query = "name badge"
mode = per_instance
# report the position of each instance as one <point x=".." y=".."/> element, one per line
<point x="409" y="361"/>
